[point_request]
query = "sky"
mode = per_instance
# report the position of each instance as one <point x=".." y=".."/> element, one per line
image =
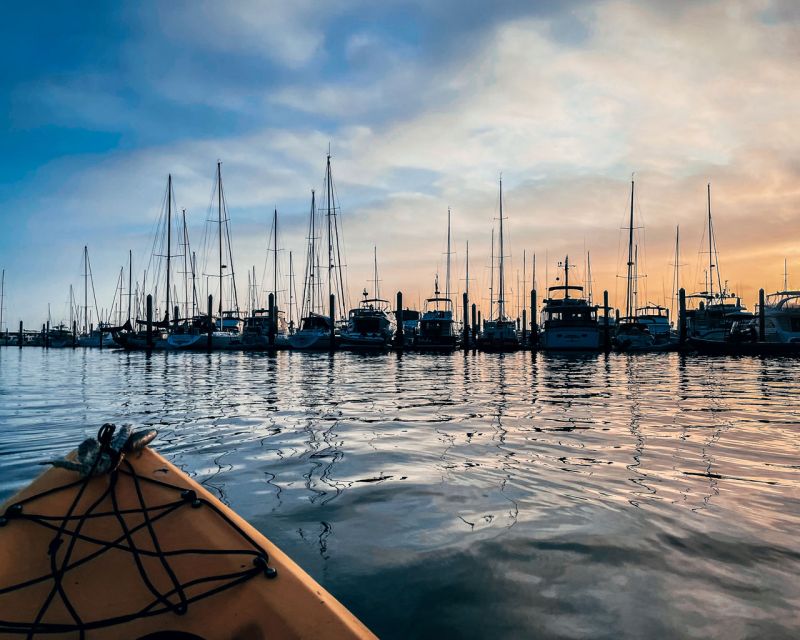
<point x="423" y="106"/>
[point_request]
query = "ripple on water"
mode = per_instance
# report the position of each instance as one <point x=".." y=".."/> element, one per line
<point x="516" y="495"/>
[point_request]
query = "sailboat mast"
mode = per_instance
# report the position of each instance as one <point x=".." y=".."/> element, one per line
<point x="85" y="289"/>
<point x="467" y="269"/>
<point x="291" y="287"/>
<point x="185" y="266"/>
<point x="491" y="279"/>
<point x="330" y="230"/>
<point x="169" y="240"/>
<point x="219" y="223"/>
<point x="566" y="277"/>
<point x="501" y="297"/>
<point x="274" y="259"/>
<point x="447" y="282"/>
<point x="3" y="297"/>
<point x="130" y="282"/>
<point x="629" y="292"/>
<point x="589" y="275"/>
<point x="676" y="274"/>
<point x="710" y="245"/>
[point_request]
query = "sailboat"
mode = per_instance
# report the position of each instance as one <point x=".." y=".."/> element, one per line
<point x="569" y="322"/>
<point x="718" y="309"/>
<point x="318" y="330"/>
<point x="99" y="336"/>
<point x="370" y="325"/>
<point x="782" y="314"/>
<point x="500" y="332"/>
<point x="436" y="330"/>
<point x="261" y="329"/>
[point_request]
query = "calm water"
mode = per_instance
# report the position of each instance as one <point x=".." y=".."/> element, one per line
<point x="486" y="495"/>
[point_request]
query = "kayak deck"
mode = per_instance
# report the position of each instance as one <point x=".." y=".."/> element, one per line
<point x="147" y="549"/>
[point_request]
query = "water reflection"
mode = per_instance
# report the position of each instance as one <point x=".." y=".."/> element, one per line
<point x="397" y="479"/>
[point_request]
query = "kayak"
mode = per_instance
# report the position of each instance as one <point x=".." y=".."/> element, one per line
<point x="144" y="551"/>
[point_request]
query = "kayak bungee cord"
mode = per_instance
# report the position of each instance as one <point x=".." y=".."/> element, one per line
<point x="104" y="457"/>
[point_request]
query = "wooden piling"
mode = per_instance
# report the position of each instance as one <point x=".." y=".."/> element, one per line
<point x="524" y="328"/>
<point x="682" y="316"/>
<point x="210" y="328"/>
<point x="273" y="320"/>
<point x="21" y="335"/>
<point x="762" y="320"/>
<point x="474" y="324"/>
<point x="149" y="321"/>
<point x="398" y="316"/>
<point x="534" y="324"/>
<point x="74" y="334"/>
<point x="332" y="309"/>
<point x="47" y="335"/>
<point x="465" y="337"/>
<point x="606" y="325"/>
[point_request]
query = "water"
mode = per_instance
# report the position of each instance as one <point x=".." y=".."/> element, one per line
<point x="521" y="495"/>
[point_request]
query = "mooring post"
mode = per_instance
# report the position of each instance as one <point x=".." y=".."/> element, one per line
<point x="47" y="336"/>
<point x="534" y="325"/>
<point x="210" y="327"/>
<point x="606" y="326"/>
<point x="149" y="333"/>
<point x="480" y="325"/>
<point x="474" y="324"/>
<point x="762" y="320"/>
<point x="682" y="316"/>
<point x="524" y="328"/>
<point x="273" y="320"/>
<point x="74" y="334"/>
<point x="465" y="327"/>
<point x="332" y="309"/>
<point x="175" y="316"/>
<point x="398" y="316"/>
<point x="21" y="340"/>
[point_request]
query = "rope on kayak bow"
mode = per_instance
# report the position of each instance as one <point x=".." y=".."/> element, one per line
<point x="105" y="455"/>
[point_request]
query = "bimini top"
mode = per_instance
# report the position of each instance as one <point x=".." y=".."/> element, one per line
<point x="564" y="287"/>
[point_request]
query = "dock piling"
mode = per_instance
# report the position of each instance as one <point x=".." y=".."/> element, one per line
<point x="606" y="327"/>
<point x="21" y="335"/>
<point x="74" y="334"/>
<point x="398" y="316"/>
<point x="474" y="324"/>
<point x="273" y="320"/>
<point x="332" y="309"/>
<point x="465" y="337"/>
<point x="682" y="316"/>
<point x="210" y="328"/>
<point x="149" y="321"/>
<point x="534" y="324"/>
<point x="762" y="321"/>
<point x="524" y="328"/>
<point x="46" y="335"/>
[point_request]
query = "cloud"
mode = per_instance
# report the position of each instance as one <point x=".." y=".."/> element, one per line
<point x="567" y="101"/>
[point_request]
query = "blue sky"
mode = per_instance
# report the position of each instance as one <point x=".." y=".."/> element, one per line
<point x="424" y="104"/>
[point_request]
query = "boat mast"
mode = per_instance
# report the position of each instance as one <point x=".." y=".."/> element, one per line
<point x="629" y="292"/>
<point x="274" y="260"/>
<point x="130" y="282"/>
<point x="330" y="233"/>
<point x="3" y="297"/>
<point x="785" y="282"/>
<point x="85" y="289"/>
<point x="589" y="274"/>
<point x="185" y="266"/>
<point x="291" y="288"/>
<point x="501" y="297"/>
<point x="676" y="274"/>
<point x="169" y="240"/>
<point x="467" y="269"/>
<point x="219" y="223"/>
<point x="566" y="276"/>
<point x="491" y="279"/>
<point x="447" y="281"/>
<point x="635" y="278"/>
<point x="710" y="245"/>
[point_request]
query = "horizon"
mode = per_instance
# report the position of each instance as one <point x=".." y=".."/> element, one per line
<point x="424" y="108"/>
